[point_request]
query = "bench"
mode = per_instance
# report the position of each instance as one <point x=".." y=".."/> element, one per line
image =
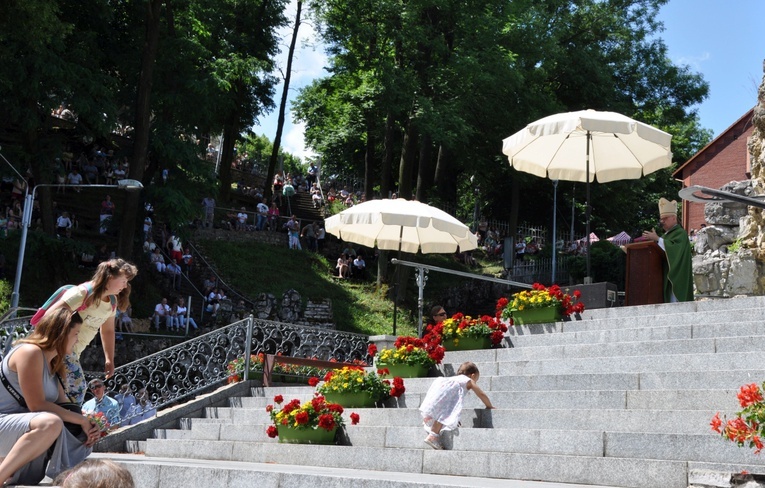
<point x="272" y="359"/>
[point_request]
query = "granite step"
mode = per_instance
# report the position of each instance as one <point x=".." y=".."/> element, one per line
<point x="518" y="338"/>
<point x="594" y="470"/>
<point x="171" y="472"/>
<point x="689" y="362"/>
<point x="615" y="420"/>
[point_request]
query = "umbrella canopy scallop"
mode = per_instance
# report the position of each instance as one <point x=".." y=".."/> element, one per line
<point x="399" y="224"/>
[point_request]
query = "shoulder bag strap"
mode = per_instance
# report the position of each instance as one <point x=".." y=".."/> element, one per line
<point x="61" y="382"/>
<point x="15" y="394"/>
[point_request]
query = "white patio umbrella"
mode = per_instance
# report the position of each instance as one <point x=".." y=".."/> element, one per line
<point x="403" y="225"/>
<point x="588" y="145"/>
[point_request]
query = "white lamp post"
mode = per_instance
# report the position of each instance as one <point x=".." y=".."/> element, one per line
<point x="26" y="221"/>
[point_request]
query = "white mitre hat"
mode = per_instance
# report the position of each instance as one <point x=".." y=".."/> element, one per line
<point x="667" y="208"/>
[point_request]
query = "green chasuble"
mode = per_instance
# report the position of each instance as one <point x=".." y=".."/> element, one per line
<point x="677" y="265"/>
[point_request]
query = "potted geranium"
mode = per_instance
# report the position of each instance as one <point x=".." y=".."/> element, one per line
<point x="541" y="304"/>
<point x="461" y="332"/>
<point x="312" y="422"/>
<point x="353" y="386"/>
<point x="410" y="357"/>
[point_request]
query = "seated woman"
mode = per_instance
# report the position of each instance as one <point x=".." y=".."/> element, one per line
<point x="158" y="260"/>
<point x="343" y="266"/>
<point x="33" y="422"/>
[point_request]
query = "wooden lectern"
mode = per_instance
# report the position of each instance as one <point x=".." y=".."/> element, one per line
<point x="645" y="278"/>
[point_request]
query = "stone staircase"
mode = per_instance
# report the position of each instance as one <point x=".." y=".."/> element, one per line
<point x="621" y="398"/>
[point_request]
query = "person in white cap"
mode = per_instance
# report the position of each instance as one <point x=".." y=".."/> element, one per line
<point x="678" y="278"/>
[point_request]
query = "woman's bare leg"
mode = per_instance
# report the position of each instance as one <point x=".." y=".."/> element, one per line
<point x="44" y="429"/>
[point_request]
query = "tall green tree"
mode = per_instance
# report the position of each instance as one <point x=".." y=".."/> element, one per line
<point x="466" y="76"/>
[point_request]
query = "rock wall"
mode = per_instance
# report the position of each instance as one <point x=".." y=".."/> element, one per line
<point x="729" y="253"/>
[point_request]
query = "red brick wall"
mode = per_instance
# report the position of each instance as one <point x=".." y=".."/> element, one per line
<point x="726" y="159"/>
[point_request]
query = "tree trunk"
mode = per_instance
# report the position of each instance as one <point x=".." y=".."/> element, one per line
<point x="386" y="172"/>
<point x="283" y="104"/>
<point x="230" y="135"/>
<point x="424" y="170"/>
<point x="406" y="165"/>
<point x="369" y="157"/>
<point x="132" y="214"/>
<point x="445" y="179"/>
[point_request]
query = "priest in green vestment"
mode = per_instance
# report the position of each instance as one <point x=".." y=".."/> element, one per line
<point x="678" y="279"/>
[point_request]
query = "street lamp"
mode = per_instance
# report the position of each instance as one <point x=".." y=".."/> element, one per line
<point x="26" y="221"/>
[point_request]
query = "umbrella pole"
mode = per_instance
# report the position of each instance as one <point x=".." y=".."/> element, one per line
<point x="554" y="236"/>
<point x="588" y="278"/>
<point x="398" y="276"/>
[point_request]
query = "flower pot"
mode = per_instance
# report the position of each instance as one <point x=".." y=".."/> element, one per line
<point x="404" y="370"/>
<point x="465" y="343"/>
<point x="351" y="399"/>
<point x="288" y="435"/>
<point x="255" y="375"/>
<point x="536" y="316"/>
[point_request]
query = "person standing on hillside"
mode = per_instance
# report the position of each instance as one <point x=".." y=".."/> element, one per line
<point x="310" y="236"/>
<point x="678" y="278"/>
<point x="293" y="229"/>
<point x="262" y="215"/>
<point x="208" y="204"/>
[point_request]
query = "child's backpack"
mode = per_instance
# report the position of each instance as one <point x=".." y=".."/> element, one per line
<point x="60" y="293"/>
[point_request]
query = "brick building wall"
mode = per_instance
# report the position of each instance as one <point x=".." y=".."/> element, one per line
<point x="723" y="160"/>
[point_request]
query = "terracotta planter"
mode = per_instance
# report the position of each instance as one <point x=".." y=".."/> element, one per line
<point x="404" y="370"/>
<point x="536" y="316"/>
<point x="288" y="435"/>
<point x="361" y="399"/>
<point x="466" y="343"/>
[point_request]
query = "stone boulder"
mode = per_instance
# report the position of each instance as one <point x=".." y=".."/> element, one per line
<point x="719" y="274"/>
<point x="713" y="238"/>
<point x="291" y="307"/>
<point x="265" y="306"/>
<point x="728" y="213"/>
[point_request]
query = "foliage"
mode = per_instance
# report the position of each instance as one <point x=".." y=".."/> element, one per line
<point x="735" y="245"/>
<point x="408" y="350"/>
<point x="352" y="379"/>
<point x="460" y="326"/>
<point x="258" y="150"/>
<point x="540" y="296"/>
<point x="607" y="263"/>
<point x="466" y="75"/>
<point x="314" y="414"/>
<point x="6" y="289"/>
<point x="748" y="428"/>
<point x="358" y="307"/>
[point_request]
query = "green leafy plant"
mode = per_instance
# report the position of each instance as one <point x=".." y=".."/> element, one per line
<point x="735" y="246"/>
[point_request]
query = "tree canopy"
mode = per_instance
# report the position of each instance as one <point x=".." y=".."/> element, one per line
<point x="427" y="89"/>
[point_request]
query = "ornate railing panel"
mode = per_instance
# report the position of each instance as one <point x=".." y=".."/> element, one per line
<point x="11" y="330"/>
<point x="200" y="364"/>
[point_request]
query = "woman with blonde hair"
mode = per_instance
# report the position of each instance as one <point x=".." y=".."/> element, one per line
<point x="32" y="433"/>
<point x="97" y="302"/>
